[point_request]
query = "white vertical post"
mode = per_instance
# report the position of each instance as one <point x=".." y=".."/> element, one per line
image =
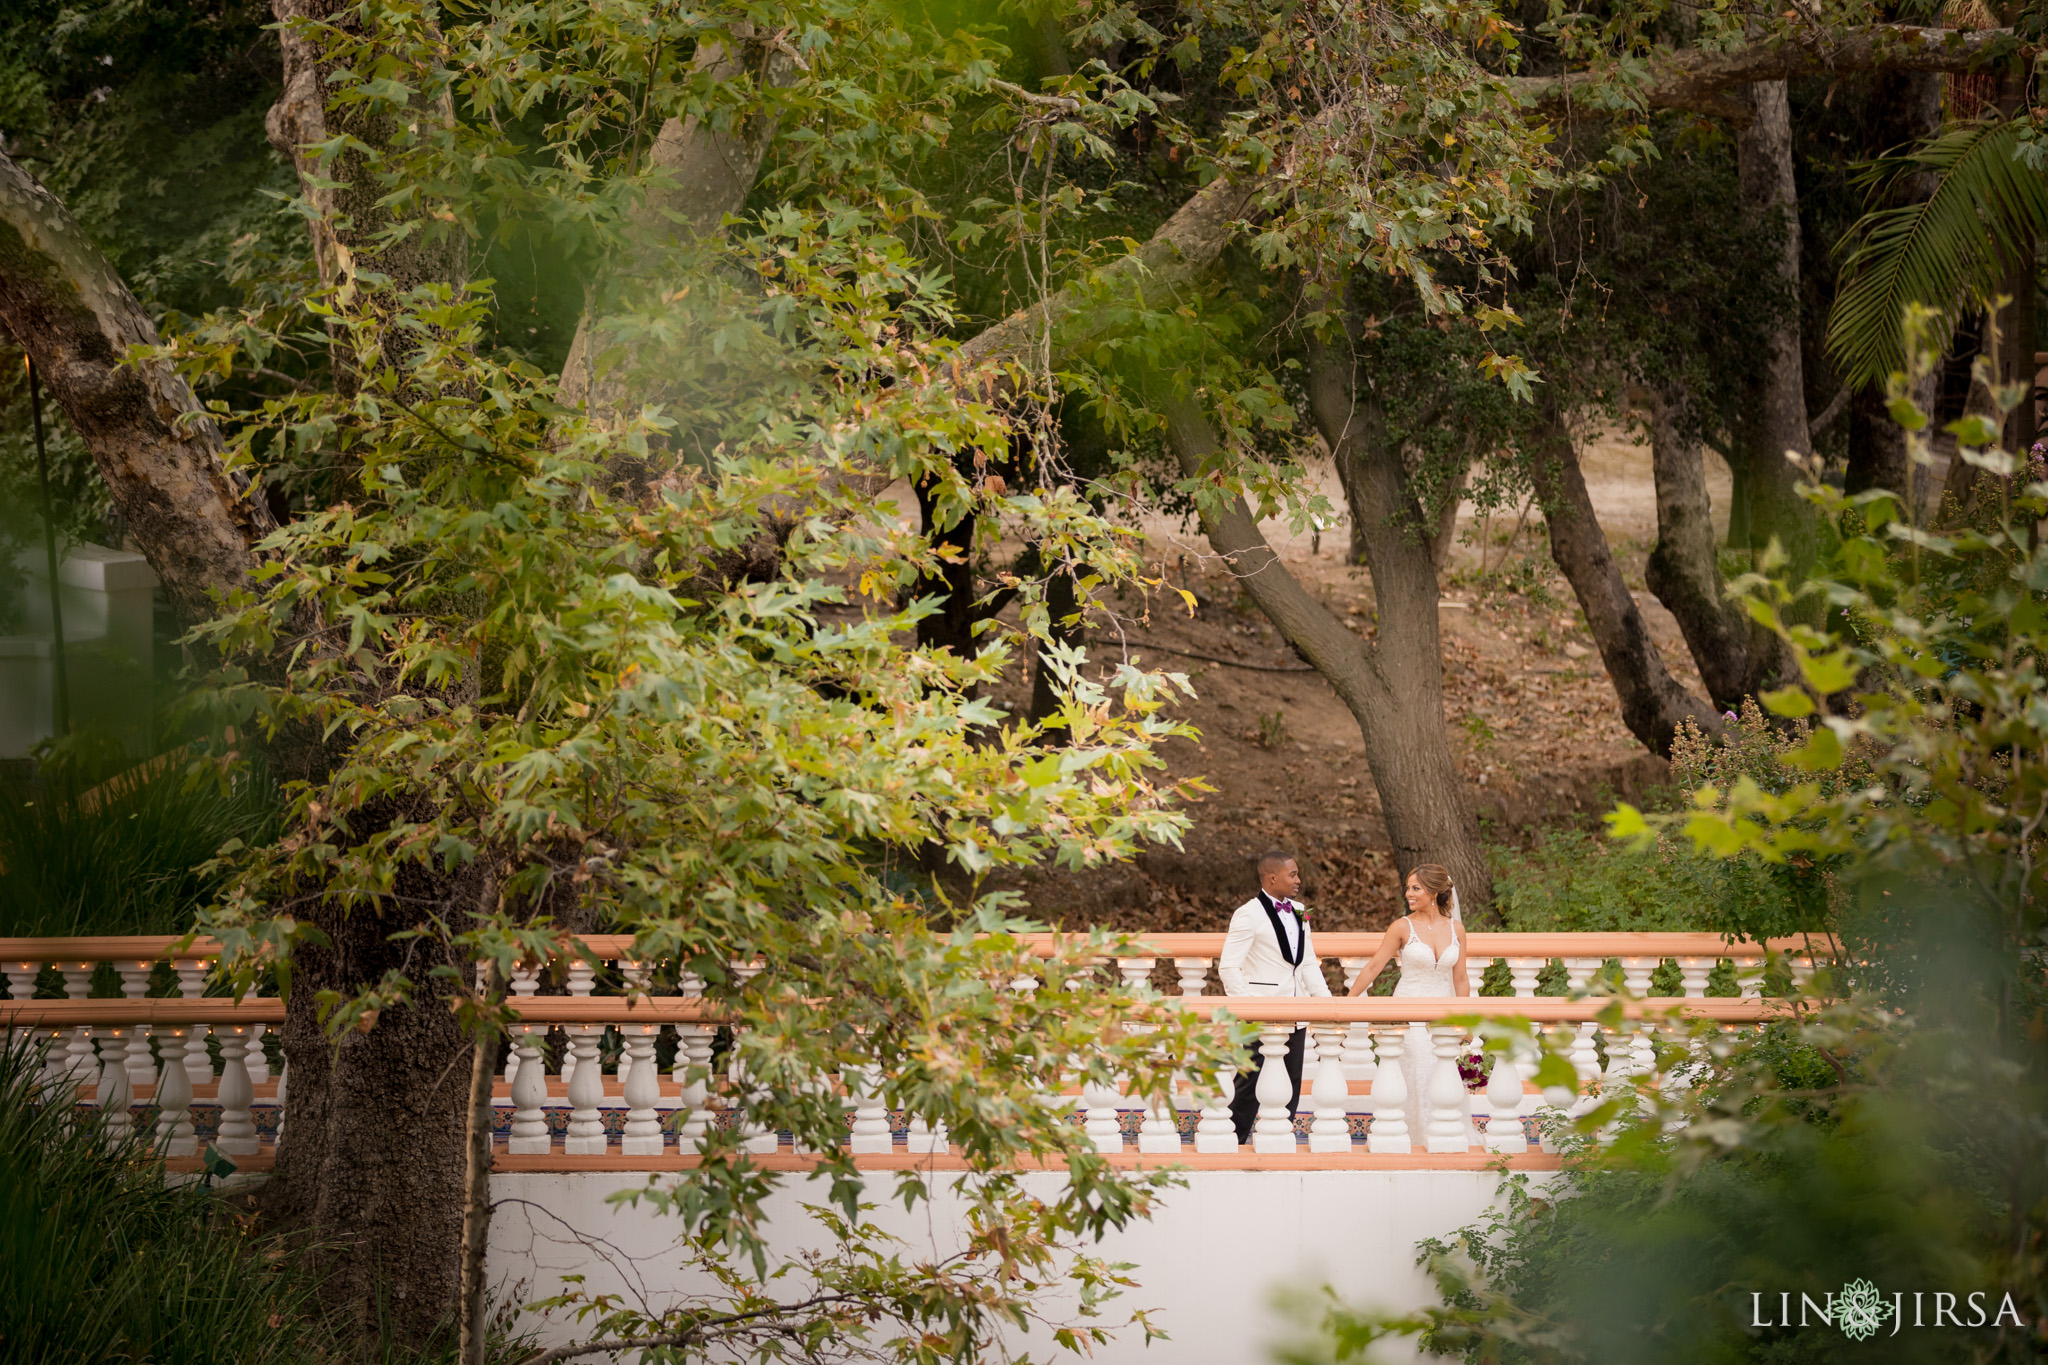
<point x="1193" y="973"/>
<point x="525" y="983"/>
<point x="1693" y="973"/>
<point x="115" y="1091"/>
<point x="258" y="1060"/>
<point x="586" y="1090"/>
<point x="693" y="1055"/>
<point x="21" y="985"/>
<point x="134" y="985"/>
<point x="191" y="986"/>
<point x="530" y="1135"/>
<point x="1135" y="971"/>
<point x="1100" y="1100"/>
<point x="926" y="1137"/>
<point x="1331" y="1130"/>
<point x="1636" y="973"/>
<point x="643" y="1087"/>
<point x="1523" y="972"/>
<point x="1214" y="1130"/>
<point x="284" y="1076"/>
<point x="870" y="1117"/>
<point x="1357" y="1056"/>
<point x="1504" y="1102"/>
<point x="1446" y="1097"/>
<point x="1273" y="1131"/>
<point x="636" y="976"/>
<point x="582" y="979"/>
<point x="1389" y="1131"/>
<point x="83" y="1058"/>
<point x="174" y="1134"/>
<point x="237" y="1135"/>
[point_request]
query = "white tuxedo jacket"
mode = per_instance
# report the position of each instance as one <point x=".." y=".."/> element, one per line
<point x="1253" y="962"/>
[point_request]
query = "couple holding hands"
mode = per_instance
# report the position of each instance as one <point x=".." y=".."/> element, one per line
<point x="1270" y="951"/>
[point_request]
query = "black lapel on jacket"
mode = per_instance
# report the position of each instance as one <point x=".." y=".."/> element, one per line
<point x="1293" y="955"/>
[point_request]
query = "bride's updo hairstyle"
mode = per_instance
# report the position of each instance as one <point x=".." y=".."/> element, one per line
<point x="1437" y="881"/>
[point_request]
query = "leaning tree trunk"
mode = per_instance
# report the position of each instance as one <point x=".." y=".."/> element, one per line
<point x="1653" y="703"/>
<point x="65" y="305"/>
<point x="1735" y="656"/>
<point x="1393" y="690"/>
<point x="1776" y="421"/>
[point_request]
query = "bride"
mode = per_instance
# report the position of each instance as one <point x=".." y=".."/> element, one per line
<point x="1431" y="941"/>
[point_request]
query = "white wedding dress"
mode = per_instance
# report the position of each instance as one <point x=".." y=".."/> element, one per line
<point x="1424" y="973"/>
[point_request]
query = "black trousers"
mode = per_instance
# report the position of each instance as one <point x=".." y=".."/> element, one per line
<point x="1244" y="1104"/>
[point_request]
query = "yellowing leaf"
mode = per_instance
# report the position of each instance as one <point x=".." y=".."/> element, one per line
<point x="1789" y="702"/>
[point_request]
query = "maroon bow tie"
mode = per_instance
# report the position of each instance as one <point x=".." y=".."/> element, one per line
<point x="1288" y="906"/>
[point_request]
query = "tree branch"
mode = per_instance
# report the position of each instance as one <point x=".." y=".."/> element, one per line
<point x="1697" y="79"/>
<point x="64" y="304"/>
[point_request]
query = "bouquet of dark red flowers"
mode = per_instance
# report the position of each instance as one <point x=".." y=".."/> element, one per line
<point x="1472" y="1070"/>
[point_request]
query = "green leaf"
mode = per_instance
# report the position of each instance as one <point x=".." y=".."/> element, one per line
<point x="1828" y="673"/>
<point x="1789" y="702"/>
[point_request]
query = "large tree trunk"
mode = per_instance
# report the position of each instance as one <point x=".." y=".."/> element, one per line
<point x="1777" y="411"/>
<point x="1395" y="689"/>
<point x="1653" y="703"/>
<point x="370" y="1165"/>
<point x="65" y="305"/>
<point x="1735" y="656"/>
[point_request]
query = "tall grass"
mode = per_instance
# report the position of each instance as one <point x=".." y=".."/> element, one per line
<point x="101" y="1259"/>
<point x="121" y="857"/>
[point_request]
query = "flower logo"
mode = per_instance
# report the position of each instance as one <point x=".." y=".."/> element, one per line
<point x="1860" y="1310"/>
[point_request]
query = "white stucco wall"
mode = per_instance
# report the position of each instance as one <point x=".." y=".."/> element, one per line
<point x="1211" y="1261"/>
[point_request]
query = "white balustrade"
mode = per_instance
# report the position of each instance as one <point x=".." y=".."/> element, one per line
<point x="174" y="1132"/>
<point x="530" y="1135"/>
<point x="115" y="1090"/>
<point x="1504" y="1104"/>
<point x="140" y="1062"/>
<point x="1331" y="1129"/>
<point x="192" y="986"/>
<point x="924" y="1137"/>
<point x="642" y="1136"/>
<point x="1389" y="1131"/>
<point x="586" y="1136"/>
<point x="1446" y="1097"/>
<point x="237" y="1136"/>
<point x="1524" y="973"/>
<point x="870" y="1116"/>
<point x="1692" y="975"/>
<point x="582" y="980"/>
<point x="1357" y="1055"/>
<point x="1273" y="1130"/>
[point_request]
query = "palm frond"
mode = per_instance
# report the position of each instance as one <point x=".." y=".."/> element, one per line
<point x="1946" y="251"/>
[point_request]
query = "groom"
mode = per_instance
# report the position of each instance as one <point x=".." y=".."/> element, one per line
<point x="1268" y="952"/>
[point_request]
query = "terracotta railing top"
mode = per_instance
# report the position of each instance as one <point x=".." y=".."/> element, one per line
<point x="669" y="1009"/>
<point x="1484" y="946"/>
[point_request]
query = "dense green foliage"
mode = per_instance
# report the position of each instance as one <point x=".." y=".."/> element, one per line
<point x="1889" y="1131"/>
<point x="122" y="858"/>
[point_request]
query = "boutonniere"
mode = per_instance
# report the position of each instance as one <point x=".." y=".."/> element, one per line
<point x="1303" y="911"/>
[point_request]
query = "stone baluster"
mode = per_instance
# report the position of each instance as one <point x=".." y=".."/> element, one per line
<point x="1578" y="973"/>
<point x="237" y="1135"/>
<point x="258" y="1059"/>
<point x="637" y="976"/>
<point x="21" y="985"/>
<point x="1557" y="1101"/>
<point x="1389" y="1131"/>
<point x="1099" y="1098"/>
<point x="586" y="1136"/>
<point x="1504" y="1104"/>
<point x="755" y="1137"/>
<point x="174" y="1133"/>
<point x="925" y="1137"/>
<point x="643" y="1135"/>
<point x="582" y="980"/>
<point x="1273" y="1131"/>
<point x="1445" y="1100"/>
<point x="1215" y="1133"/>
<point x="140" y="1062"/>
<point x="192" y="986"/>
<point x="1523" y="972"/>
<point x="525" y="984"/>
<point x="83" y="1059"/>
<point x="692" y="1069"/>
<point x="1692" y="975"/>
<point x="116" y="1092"/>
<point x="1357" y="1055"/>
<point x="530" y="1135"/>
<point x="1636" y="973"/>
<point x="1749" y="974"/>
<point x="1135" y="972"/>
<point x="1331" y="1130"/>
<point x="870" y="1116"/>
<point x="1193" y="973"/>
<point x="284" y="1076"/>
